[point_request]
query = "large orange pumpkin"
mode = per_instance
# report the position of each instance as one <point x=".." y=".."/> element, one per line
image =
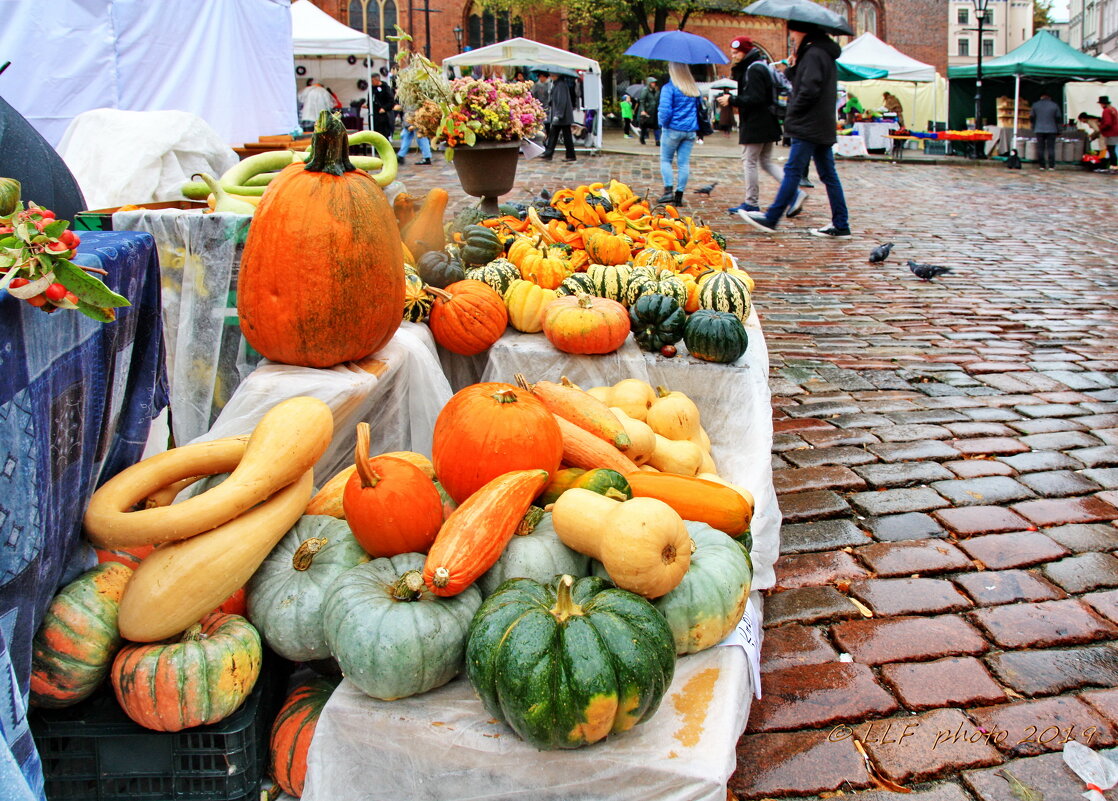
<point x="468" y="317"/>
<point x="585" y="324"/>
<point x="322" y="275"/>
<point x="487" y="430"/>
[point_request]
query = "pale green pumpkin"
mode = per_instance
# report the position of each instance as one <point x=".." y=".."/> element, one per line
<point x="536" y="552"/>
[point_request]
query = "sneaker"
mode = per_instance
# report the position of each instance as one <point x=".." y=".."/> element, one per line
<point x="832" y="232"/>
<point x="806" y="184"/>
<point x="797" y="204"/>
<point x="758" y="220"/>
<point x="743" y="207"/>
<point x="424" y="162"/>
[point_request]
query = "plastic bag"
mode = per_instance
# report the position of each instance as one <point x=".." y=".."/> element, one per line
<point x="1096" y="771"/>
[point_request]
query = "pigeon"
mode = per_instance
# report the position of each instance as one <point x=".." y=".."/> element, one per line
<point x="545" y="196"/>
<point x="880" y="253"/>
<point x="926" y="272"/>
<point x="706" y="190"/>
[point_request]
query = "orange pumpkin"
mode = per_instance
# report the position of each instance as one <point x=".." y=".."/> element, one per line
<point x="293" y="730"/>
<point x="468" y="317"/>
<point x="521" y="246"/>
<point x="545" y="269"/>
<point x="606" y="248"/>
<point x="390" y="505"/>
<point x="657" y="259"/>
<point x="692" y="287"/>
<point x="322" y="275"/>
<point x="586" y="324"/>
<point x="487" y="430"/>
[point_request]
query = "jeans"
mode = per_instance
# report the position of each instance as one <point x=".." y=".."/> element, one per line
<point x="754" y="155"/>
<point x="406" y="137"/>
<point x="799" y="157"/>
<point x="1046" y="149"/>
<point x="676" y="144"/>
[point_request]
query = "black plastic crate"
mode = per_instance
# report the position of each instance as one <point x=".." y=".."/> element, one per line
<point x="94" y="752"/>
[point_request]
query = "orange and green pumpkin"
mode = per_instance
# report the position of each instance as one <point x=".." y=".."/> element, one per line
<point x="586" y="324"/>
<point x="322" y="275"/>
<point x="74" y="648"/>
<point x="417" y="301"/>
<point x="293" y="729"/>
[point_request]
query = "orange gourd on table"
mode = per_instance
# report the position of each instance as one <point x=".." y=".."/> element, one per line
<point x="606" y="248"/>
<point x="717" y="505"/>
<point x="424" y="231"/>
<point x="467" y="317"/>
<point x="545" y="269"/>
<point x="390" y="505"/>
<point x="487" y="430"/>
<point x="322" y="275"/>
<point x="586" y="324"/>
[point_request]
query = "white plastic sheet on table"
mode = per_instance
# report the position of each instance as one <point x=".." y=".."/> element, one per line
<point x="400" y="405"/>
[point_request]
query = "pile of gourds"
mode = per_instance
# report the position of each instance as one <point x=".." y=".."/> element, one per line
<point x="601" y="265"/>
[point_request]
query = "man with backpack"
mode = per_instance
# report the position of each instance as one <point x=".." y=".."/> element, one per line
<point x="758" y="101"/>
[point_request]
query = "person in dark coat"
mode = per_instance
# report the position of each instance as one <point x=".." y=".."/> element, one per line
<point x="810" y="124"/>
<point x="541" y="90"/>
<point x="384" y="104"/>
<point x="759" y="126"/>
<point x="648" y="110"/>
<point x="561" y="113"/>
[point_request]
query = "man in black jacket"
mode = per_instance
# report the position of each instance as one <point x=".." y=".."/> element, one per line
<point x="810" y="123"/>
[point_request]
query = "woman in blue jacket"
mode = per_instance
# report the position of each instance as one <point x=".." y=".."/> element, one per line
<point x="679" y="119"/>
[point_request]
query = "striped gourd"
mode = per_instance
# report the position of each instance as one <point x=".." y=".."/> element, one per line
<point x="720" y="291"/>
<point x="609" y="280"/>
<point x="646" y="270"/>
<point x="417" y="302"/>
<point x="671" y="285"/>
<point x="293" y="729"/>
<point x="667" y="284"/>
<point x="638" y="286"/>
<point x="499" y="274"/>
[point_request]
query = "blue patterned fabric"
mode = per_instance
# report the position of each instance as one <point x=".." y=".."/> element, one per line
<point x="76" y="401"/>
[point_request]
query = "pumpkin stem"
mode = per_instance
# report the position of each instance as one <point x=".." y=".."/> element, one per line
<point x="329" y="146"/>
<point x="192" y="634"/>
<point x="662" y="392"/>
<point x="565" y="606"/>
<point x="505" y="396"/>
<point x="442" y="577"/>
<point x="615" y="494"/>
<point x="522" y="382"/>
<point x="567" y="382"/>
<point x="409" y="587"/>
<point x="306" y="551"/>
<point x="585" y="301"/>
<point x="529" y="522"/>
<point x="369" y="478"/>
<point x="441" y="294"/>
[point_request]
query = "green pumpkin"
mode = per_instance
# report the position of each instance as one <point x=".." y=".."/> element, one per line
<point x="600" y="480"/>
<point x="657" y="320"/>
<point x="286" y="593"/>
<point x="480" y="246"/>
<point x="645" y="271"/>
<point x="439" y="269"/>
<point x="745" y="539"/>
<point x="390" y="635"/>
<point x="720" y="291"/>
<point x="471" y="215"/>
<point x="638" y="287"/>
<point x="708" y="604"/>
<point x="417" y="301"/>
<point x="569" y="663"/>
<point x="670" y="285"/>
<point x="9" y="195"/>
<point x="715" y="336"/>
<point x="574" y="284"/>
<point x="534" y="552"/>
<point x="499" y="274"/>
<point x="609" y="280"/>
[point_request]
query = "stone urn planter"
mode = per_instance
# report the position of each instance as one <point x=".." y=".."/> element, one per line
<point x="487" y="170"/>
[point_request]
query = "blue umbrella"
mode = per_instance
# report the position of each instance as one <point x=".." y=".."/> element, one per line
<point x="679" y="46"/>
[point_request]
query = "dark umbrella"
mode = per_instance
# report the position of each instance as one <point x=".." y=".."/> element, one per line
<point x="801" y="11"/>
<point x="634" y="90"/>
<point x="678" y="46"/>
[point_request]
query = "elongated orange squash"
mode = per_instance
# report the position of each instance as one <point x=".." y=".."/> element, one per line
<point x="473" y="537"/>
<point x="581" y="408"/>
<point x="424" y="232"/>
<point x="717" y="505"/>
<point x="583" y="449"/>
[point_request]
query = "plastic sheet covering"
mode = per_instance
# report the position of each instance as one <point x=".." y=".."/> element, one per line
<point x="444" y="745"/>
<point x="121" y="157"/>
<point x="199" y="257"/>
<point x="398" y="391"/>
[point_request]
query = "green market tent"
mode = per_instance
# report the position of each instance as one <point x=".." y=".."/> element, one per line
<point x="858" y="72"/>
<point x="1044" y="59"/>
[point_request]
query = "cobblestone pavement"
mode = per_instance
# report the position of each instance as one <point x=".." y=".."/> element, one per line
<point x="946" y="458"/>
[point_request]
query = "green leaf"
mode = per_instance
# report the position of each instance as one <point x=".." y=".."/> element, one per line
<point x="96" y="313"/>
<point x="87" y="287"/>
<point x="469" y="137"/>
<point x="55" y="229"/>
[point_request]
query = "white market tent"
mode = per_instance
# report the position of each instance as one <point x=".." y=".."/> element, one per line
<point x="521" y="52"/>
<point x="323" y="47"/>
<point x="869" y="51"/>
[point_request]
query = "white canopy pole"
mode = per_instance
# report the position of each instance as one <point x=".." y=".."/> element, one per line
<point x="1016" y="105"/>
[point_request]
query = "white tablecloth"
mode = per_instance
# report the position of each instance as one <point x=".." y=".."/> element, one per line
<point x="875" y="134"/>
<point x="851" y="146"/>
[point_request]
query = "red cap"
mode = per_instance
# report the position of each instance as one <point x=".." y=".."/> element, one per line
<point x="742" y="43"/>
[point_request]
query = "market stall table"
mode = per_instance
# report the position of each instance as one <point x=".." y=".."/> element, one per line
<point x="875" y="133"/>
<point x="76" y="401"/>
<point x="850" y="146"/>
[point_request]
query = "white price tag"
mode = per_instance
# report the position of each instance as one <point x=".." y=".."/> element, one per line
<point x="749" y="635"/>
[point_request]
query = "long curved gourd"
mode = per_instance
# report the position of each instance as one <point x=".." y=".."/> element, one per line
<point x="288" y="440"/>
<point x="179" y="583"/>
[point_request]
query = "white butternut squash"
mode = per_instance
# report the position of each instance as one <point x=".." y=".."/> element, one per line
<point x="681" y="457"/>
<point x="642" y="439"/>
<point x="674" y="415"/>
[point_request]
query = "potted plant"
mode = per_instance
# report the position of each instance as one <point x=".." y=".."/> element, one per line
<point x="481" y="121"/>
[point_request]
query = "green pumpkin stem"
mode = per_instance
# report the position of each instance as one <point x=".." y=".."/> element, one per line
<point x="192" y="634"/>
<point x="615" y="494"/>
<point x="505" y="396"/>
<point x="585" y="300"/>
<point x="565" y="606"/>
<point x="529" y="522"/>
<point x="369" y="477"/>
<point x="662" y="392"/>
<point x="409" y="587"/>
<point x="306" y="551"/>
<point x="329" y="146"/>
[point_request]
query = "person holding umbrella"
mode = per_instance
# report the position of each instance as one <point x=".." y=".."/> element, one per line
<point x="560" y="115"/>
<point x="679" y="120"/>
<point x="810" y="124"/>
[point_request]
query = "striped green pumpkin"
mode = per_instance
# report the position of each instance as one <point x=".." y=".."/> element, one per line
<point x="499" y="274"/>
<point x="573" y="284"/>
<point x="715" y="336"/>
<point x="638" y="286"/>
<point x="610" y="280"/>
<point x="645" y="270"/>
<point x="671" y="286"/>
<point x="417" y="302"/>
<point x="720" y="291"/>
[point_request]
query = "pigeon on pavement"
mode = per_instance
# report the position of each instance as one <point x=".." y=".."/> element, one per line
<point x="880" y="253"/>
<point x="706" y="190"/>
<point x="926" y="272"/>
<point x="545" y="196"/>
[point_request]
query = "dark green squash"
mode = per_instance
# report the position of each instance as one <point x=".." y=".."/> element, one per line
<point x="480" y="246"/>
<point x="657" y="320"/>
<point x="600" y="480"/>
<point x="440" y="269"/>
<point x="499" y="274"/>
<point x="547" y="212"/>
<point x="568" y="664"/>
<point x="715" y="336"/>
<point x="574" y="284"/>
